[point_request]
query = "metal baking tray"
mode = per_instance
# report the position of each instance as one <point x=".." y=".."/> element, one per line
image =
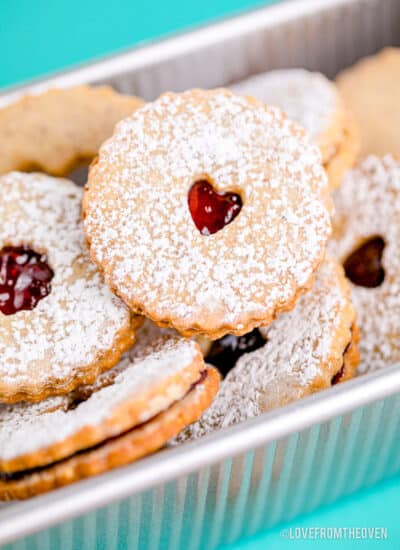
<point x="272" y="468"/>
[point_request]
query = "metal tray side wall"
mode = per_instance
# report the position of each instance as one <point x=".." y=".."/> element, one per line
<point x="258" y="489"/>
<point x="240" y="496"/>
<point x="326" y="41"/>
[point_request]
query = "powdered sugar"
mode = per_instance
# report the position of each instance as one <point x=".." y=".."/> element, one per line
<point x="79" y="319"/>
<point x="368" y="205"/>
<point x="29" y="427"/>
<point x="141" y="231"/>
<point x="297" y="352"/>
<point x="306" y="97"/>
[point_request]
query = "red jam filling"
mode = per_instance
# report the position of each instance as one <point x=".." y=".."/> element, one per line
<point x="336" y="378"/>
<point x="225" y="352"/>
<point x="212" y="211"/>
<point x="363" y="267"/>
<point x="24" y="279"/>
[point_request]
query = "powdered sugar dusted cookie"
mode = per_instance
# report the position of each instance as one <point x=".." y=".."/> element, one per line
<point x="59" y="129"/>
<point x="366" y="238"/>
<point x="313" y="101"/>
<point x="208" y="212"/>
<point x="303" y="351"/>
<point x="371" y="88"/>
<point x="158" y="388"/>
<point x="159" y="370"/>
<point x="60" y="325"/>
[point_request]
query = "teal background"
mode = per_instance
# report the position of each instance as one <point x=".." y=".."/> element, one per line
<point x="375" y="507"/>
<point x="41" y="36"/>
<point x="38" y="37"/>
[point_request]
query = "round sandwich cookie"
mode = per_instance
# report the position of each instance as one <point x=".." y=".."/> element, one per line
<point x="60" y="325"/>
<point x="314" y="101"/>
<point x="371" y="89"/>
<point x="366" y="238"/>
<point x="160" y="386"/>
<point x="59" y="130"/>
<point x="308" y="349"/>
<point x="208" y="212"/>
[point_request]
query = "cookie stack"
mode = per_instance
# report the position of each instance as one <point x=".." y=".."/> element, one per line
<point x="198" y="249"/>
<point x="77" y="398"/>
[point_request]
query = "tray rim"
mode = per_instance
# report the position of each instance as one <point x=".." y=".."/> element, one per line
<point x="151" y="53"/>
<point x="21" y="519"/>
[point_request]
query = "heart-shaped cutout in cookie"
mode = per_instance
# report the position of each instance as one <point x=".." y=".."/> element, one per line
<point x="225" y="352"/>
<point x="212" y="211"/>
<point x="364" y="266"/>
<point x="24" y="279"/>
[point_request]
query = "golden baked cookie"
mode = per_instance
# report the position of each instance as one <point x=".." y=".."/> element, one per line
<point x="366" y="237"/>
<point x="310" y="348"/>
<point x="344" y="156"/>
<point x="119" y="451"/>
<point x="208" y="212"/>
<point x="60" y="325"/>
<point x="58" y="130"/>
<point x="314" y="101"/>
<point x="158" y="371"/>
<point x="371" y="89"/>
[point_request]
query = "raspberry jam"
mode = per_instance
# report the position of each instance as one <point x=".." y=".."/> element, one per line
<point x="212" y="211"/>
<point x="24" y="279"/>
<point x="225" y="352"/>
<point x="363" y="267"/>
<point x="336" y="378"/>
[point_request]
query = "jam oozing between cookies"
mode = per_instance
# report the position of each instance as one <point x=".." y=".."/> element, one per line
<point x="336" y="378"/>
<point x="212" y="211"/>
<point x="225" y="352"/>
<point x="24" y="279"/>
<point x="363" y="267"/>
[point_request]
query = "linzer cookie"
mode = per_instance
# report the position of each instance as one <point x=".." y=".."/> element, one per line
<point x="366" y="240"/>
<point x="371" y="88"/>
<point x="208" y="212"/>
<point x="310" y="348"/>
<point x="60" y="325"/>
<point x="118" y="451"/>
<point x="158" y="388"/>
<point x="56" y="131"/>
<point x="313" y="101"/>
